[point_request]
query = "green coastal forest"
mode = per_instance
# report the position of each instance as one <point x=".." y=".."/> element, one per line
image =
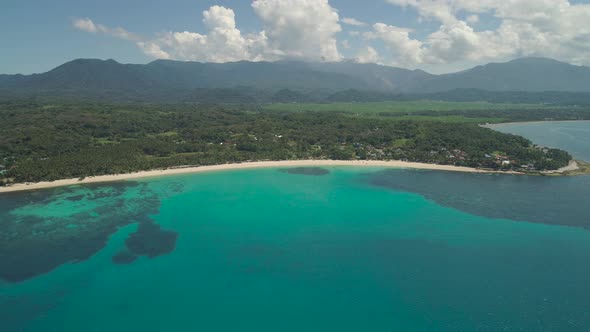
<point x="49" y="141"/>
<point x="92" y="117"/>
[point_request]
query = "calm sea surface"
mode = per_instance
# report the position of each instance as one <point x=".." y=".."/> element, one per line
<point x="573" y="136"/>
<point x="332" y="249"/>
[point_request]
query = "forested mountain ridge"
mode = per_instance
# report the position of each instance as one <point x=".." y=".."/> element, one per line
<point x="173" y="81"/>
<point x="91" y="77"/>
<point x="376" y="77"/>
<point x="525" y="74"/>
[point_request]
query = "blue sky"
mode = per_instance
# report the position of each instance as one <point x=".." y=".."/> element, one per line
<point x="439" y="35"/>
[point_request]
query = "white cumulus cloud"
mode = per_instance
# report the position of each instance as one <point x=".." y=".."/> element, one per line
<point x="153" y="50"/>
<point x="405" y="50"/>
<point x="550" y="28"/>
<point x="222" y="43"/>
<point x="368" y="55"/>
<point x="310" y="30"/>
<point x="353" y="22"/>
<point x="300" y="28"/>
<point x="86" y="24"/>
<point x="297" y="29"/>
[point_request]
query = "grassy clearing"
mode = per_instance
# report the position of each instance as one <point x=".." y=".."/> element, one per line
<point x="402" y="107"/>
<point x="103" y="141"/>
<point x="168" y="134"/>
<point x="442" y="118"/>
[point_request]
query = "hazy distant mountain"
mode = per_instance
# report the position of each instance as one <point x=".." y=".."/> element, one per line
<point x="525" y="74"/>
<point x="164" y="80"/>
<point x="377" y="77"/>
<point x="162" y="77"/>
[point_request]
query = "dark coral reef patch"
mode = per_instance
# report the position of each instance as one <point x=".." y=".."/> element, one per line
<point x="522" y="198"/>
<point x="151" y="241"/>
<point x="124" y="257"/>
<point x="40" y="231"/>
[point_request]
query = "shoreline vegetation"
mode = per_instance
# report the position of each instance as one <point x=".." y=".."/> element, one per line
<point x="239" y="166"/>
<point x="48" y="142"/>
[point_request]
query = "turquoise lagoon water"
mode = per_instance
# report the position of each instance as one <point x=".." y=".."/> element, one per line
<point x="347" y="249"/>
<point x="337" y="249"/>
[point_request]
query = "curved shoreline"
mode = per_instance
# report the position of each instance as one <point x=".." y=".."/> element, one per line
<point x="247" y="165"/>
<point x="492" y="125"/>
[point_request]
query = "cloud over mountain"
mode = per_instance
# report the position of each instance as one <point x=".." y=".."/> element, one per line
<point x="553" y="28"/>
<point x="301" y="29"/>
<point x="455" y="32"/>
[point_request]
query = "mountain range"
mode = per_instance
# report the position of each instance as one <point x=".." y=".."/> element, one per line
<point x="166" y="80"/>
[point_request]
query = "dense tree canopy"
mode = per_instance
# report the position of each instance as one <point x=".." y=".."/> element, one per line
<point x="53" y="141"/>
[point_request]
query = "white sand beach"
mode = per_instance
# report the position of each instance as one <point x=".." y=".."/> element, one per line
<point x="245" y="165"/>
<point x="571" y="167"/>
